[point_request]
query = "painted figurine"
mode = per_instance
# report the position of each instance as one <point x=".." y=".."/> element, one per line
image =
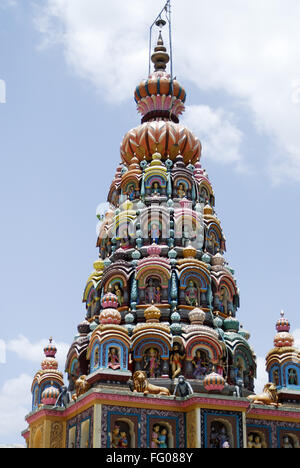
<point x="162" y="438"/>
<point x="113" y="359"/>
<point x="176" y="359"/>
<point x="155" y="189"/>
<point x="154" y="437"/>
<point x="155" y="233"/>
<point x="152" y="363"/>
<point x="200" y="369"/>
<point x="180" y="191"/>
<point x="131" y="193"/>
<point x="119" y="293"/>
<point x="152" y="295"/>
<point x="191" y="295"/>
<point x="123" y="442"/>
<point x="224" y="299"/>
<point x="183" y="388"/>
<point x="115" y="437"/>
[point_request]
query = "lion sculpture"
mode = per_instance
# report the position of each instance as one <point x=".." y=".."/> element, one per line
<point x="141" y="385"/>
<point x="81" y="387"/>
<point x="268" y="397"/>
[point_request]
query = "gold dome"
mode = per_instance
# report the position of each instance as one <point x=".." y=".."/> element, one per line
<point x="152" y="314"/>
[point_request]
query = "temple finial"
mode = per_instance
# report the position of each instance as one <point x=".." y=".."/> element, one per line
<point x="160" y="57"/>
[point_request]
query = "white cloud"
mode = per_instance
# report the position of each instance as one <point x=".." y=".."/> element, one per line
<point x="4" y="4"/>
<point x="262" y="376"/>
<point x="15" y="403"/>
<point x="220" y="138"/>
<point x="248" y="49"/>
<point x="33" y="352"/>
<point x="2" y="352"/>
<point x="296" y="335"/>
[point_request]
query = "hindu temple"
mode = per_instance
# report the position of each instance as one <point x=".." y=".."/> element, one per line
<point x="160" y="359"/>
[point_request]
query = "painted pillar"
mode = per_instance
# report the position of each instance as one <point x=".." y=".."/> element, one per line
<point x="97" y="426"/>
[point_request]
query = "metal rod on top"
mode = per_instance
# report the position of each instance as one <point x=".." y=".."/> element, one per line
<point x="159" y="21"/>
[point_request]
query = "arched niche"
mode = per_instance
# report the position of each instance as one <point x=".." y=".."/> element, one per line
<point x="214" y="239"/>
<point x="155" y="182"/>
<point x="182" y="187"/>
<point x="114" y="196"/>
<point x="256" y="439"/>
<point x="153" y="281"/>
<point x="73" y="370"/>
<point x="123" y="434"/>
<point x="220" y="432"/>
<point x="244" y="366"/>
<point x="157" y="341"/>
<point x="114" y="354"/>
<point x="275" y="375"/>
<point x="289" y="440"/>
<point x="117" y="283"/>
<point x="291" y="374"/>
<point x="154" y="224"/>
<point x="224" y="301"/>
<point x="35" y="396"/>
<point x="206" y="193"/>
<point x="130" y="188"/>
<point x="193" y="286"/>
<point x="95" y="359"/>
<point x="210" y="350"/>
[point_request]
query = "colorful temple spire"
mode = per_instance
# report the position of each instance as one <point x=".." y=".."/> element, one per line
<point x="48" y="380"/>
<point x="283" y="361"/>
<point x="161" y="247"/>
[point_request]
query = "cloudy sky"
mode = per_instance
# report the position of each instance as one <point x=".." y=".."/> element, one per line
<point x="68" y="69"/>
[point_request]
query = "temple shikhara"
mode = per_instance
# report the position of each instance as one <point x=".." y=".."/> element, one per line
<point x="160" y="359"/>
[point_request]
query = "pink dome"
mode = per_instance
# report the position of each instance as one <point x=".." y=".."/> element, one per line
<point x="110" y="316"/>
<point x="49" y="364"/>
<point x="154" y="250"/>
<point x="283" y="339"/>
<point x="109" y="300"/>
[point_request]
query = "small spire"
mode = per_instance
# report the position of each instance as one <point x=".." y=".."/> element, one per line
<point x="160" y="57"/>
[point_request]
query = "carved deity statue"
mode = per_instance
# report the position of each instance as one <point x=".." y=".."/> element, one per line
<point x="152" y="363"/>
<point x="124" y="242"/>
<point x="219" y="436"/>
<point x="152" y="294"/>
<point x="115" y="437"/>
<point x="200" y="367"/>
<point x="176" y="360"/>
<point x="191" y="295"/>
<point x="224" y="299"/>
<point x="159" y="437"/>
<point x="119" y="293"/>
<point x="155" y="189"/>
<point x="292" y="377"/>
<point x="287" y="443"/>
<point x="181" y="191"/>
<point x="154" y="232"/>
<point x="131" y="192"/>
<point x="113" y="359"/>
<point x="123" y="442"/>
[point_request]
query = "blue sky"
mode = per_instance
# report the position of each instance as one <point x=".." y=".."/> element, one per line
<point x="70" y="68"/>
